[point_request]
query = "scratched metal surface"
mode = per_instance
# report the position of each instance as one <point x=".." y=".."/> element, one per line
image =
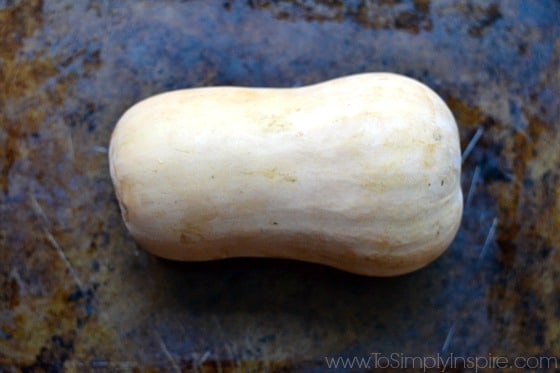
<point x="77" y="293"/>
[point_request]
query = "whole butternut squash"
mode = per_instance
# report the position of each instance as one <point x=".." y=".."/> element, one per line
<point x="361" y="173"/>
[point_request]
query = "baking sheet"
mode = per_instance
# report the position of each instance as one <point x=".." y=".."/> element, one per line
<point x="76" y="293"/>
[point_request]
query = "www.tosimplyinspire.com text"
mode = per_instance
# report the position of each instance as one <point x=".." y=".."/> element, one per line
<point x="440" y="362"/>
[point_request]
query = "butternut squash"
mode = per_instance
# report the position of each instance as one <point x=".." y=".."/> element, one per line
<point x="361" y="173"/>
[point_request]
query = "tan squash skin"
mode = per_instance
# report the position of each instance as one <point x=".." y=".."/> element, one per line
<point x="361" y="173"/>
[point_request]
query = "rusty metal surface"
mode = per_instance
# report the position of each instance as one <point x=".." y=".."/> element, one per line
<point x="77" y="293"/>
